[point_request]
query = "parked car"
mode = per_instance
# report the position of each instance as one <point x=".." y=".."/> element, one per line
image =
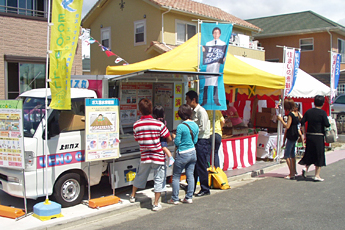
<point x="338" y="112"/>
<point x="338" y="106"/>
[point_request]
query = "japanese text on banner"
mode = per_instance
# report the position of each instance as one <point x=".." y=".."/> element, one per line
<point x="66" y="15"/>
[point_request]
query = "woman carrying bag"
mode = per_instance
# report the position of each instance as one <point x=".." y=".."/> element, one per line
<point x="315" y="150"/>
<point x="185" y="139"/>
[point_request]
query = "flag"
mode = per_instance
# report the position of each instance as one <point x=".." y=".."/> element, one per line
<point x="335" y="73"/>
<point x="109" y="53"/>
<point x="296" y="67"/>
<point x="66" y="18"/>
<point x="291" y="66"/>
<point x="117" y="60"/>
<point x="214" y="45"/>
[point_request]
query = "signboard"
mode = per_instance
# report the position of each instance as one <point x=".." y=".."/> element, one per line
<point x="11" y="134"/>
<point x="131" y="94"/>
<point x="101" y="129"/>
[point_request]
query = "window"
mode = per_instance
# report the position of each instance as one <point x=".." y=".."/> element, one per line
<point x="22" y="77"/>
<point x="106" y="37"/>
<point x="140" y="32"/>
<point x="340" y="89"/>
<point x="24" y="7"/>
<point x="341" y="49"/>
<point x="306" y="44"/>
<point x="184" y="31"/>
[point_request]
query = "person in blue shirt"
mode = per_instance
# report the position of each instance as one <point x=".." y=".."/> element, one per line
<point x="185" y="140"/>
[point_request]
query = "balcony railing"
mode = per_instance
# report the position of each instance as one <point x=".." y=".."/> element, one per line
<point x="244" y="41"/>
<point x="23" y="11"/>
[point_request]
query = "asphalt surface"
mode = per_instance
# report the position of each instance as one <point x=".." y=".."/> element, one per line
<point x="270" y="203"/>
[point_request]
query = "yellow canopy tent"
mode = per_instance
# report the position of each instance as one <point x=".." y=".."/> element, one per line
<point x="184" y="58"/>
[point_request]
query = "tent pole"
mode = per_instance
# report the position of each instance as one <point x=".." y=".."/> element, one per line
<point x="213" y="135"/>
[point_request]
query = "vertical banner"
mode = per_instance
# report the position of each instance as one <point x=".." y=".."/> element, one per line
<point x="289" y="56"/>
<point x="66" y="17"/>
<point x="214" y="45"/>
<point x="335" y="73"/>
<point x="102" y="136"/>
<point x="11" y="134"/>
<point x="296" y="67"/>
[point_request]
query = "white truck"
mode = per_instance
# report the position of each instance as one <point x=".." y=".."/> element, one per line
<point x="67" y="170"/>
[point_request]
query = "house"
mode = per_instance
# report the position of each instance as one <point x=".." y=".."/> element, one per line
<point x="314" y="34"/>
<point x="23" y="47"/>
<point x="137" y="30"/>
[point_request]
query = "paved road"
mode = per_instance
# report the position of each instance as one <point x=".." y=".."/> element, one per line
<point x="270" y="203"/>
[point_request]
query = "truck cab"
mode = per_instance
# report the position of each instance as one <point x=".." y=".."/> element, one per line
<point x="67" y="171"/>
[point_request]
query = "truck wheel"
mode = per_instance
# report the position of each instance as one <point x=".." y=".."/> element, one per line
<point x="69" y="190"/>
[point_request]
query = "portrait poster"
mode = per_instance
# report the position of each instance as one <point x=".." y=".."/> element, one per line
<point x="215" y="39"/>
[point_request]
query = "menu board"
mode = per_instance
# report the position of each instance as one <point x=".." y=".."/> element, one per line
<point x="11" y="134"/>
<point x="102" y="129"/>
<point x="131" y="94"/>
<point x="163" y="95"/>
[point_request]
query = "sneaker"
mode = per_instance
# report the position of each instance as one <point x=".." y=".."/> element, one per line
<point x="304" y="172"/>
<point x="171" y="201"/>
<point x="156" y="207"/>
<point x="131" y="199"/>
<point x="187" y="201"/>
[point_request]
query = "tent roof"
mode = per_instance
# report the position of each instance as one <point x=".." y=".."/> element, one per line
<point x="185" y="58"/>
<point x="305" y="85"/>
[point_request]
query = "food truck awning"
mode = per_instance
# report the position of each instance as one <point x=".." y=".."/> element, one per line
<point x="184" y="58"/>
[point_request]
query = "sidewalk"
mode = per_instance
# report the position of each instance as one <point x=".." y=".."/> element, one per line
<point x="82" y="213"/>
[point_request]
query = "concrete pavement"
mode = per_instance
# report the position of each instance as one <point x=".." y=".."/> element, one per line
<point x="81" y="213"/>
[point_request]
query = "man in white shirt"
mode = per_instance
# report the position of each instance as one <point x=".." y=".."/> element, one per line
<point x="213" y="67"/>
<point x="203" y="146"/>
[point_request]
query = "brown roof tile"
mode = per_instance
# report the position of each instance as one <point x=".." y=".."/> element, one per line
<point x="204" y="10"/>
<point x="160" y="47"/>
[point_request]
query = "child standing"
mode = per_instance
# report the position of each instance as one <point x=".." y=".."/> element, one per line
<point x="158" y="113"/>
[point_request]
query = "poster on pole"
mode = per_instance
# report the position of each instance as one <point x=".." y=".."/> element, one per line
<point x="335" y="73"/>
<point x="214" y="45"/>
<point x="66" y="19"/>
<point x="291" y="66"/>
<point x="11" y="134"/>
<point x="102" y="129"/>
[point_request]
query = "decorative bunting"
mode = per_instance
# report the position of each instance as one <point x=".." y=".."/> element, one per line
<point x="117" y="60"/>
<point x="107" y="51"/>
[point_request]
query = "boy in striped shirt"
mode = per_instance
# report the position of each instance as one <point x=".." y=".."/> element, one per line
<point x="147" y="132"/>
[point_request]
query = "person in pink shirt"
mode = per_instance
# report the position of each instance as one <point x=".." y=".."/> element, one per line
<point x="231" y="113"/>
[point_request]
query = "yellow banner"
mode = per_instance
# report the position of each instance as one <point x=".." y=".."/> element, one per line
<point x="66" y="17"/>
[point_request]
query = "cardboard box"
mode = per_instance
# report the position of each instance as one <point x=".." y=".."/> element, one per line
<point x="269" y="110"/>
<point x="263" y="119"/>
<point x="69" y="121"/>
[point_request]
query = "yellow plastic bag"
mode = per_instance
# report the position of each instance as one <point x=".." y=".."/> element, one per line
<point x="217" y="178"/>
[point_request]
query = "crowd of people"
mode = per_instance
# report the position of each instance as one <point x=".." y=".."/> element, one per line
<point x="193" y="145"/>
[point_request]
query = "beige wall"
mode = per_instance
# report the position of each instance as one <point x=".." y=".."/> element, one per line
<point x="316" y="61"/>
<point x="121" y="23"/>
<point x="26" y="38"/>
<point x="245" y="52"/>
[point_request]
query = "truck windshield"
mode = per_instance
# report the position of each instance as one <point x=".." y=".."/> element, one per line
<point x="34" y="111"/>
